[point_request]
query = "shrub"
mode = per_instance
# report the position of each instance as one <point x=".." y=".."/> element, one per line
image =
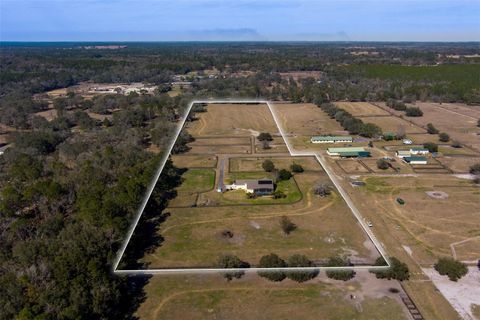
<point x="279" y="195"/>
<point x="272" y="261"/>
<point x="397" y="105"/>
<point x="284" y="174"/>
<point x="230" y="261"/>
<point x="265" y="144"/>
<point x="456" y="144"/>
<point x="431" y="147"/>
<point x="287" y="225"/>
<point x="475" y="169"/>
<point x="321" y="189"/>
<point x="452" y="268"/>
<point x="298" y="260"/>
<point x="268" y="165"/>
<point x="370" y="130"/>
<point x="413" y="112"/>
<point x="431" y="129"/>
<point x="265" y="136"/>
<point x="444" y="137"/>
<point x="382" y="164"/>
<point x="398" y="270"/>
<point x="296" y="168"/>
<point x="339" y="274"/>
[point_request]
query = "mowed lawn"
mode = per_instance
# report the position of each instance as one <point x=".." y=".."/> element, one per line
<point x="197" y="180"/>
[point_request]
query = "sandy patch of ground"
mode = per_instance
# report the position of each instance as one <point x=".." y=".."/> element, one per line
<point x="437" y="194"/>
<point x="461" y="294"/>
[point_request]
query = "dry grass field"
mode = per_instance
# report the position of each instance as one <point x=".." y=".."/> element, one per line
<point x="208" y="141"/>
<point x="351" y="166"/>
<point x="427" y="225"/>
<point x="233" y="119"/>
<point x="194" y="161"/>
<point x="305" y="119"/>
<point x="211" y="297"/>
<point x="192" y="233"/>
<point x="459" y="164"/>
<point x="460" y="122"/>
<point x="359" y="109"/>
<point x="417" y="232"/>
<point x="325" y="227"/>
<point x="255" y="164"/>
<point x="392" y="124"/>
<point x="220" y="149"/>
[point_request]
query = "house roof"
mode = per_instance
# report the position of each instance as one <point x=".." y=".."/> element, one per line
<point x="257" y="184"/>
<point x="327" y="138"/>
<point x="418" y="149"/>
<point x="409" y="159"/>
<point x="346" y="149"/>
<point x="403" y="152"/>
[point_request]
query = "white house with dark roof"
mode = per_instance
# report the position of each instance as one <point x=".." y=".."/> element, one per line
<point x="258" y="186"/>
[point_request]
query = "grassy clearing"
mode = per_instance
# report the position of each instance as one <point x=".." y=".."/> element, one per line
<point x="377" y="185"/>
<point x="197" y="180"/>
<point x="193" y="235"/>
<point x="253" y="298"/>
<point x="255" y="164"/>
<point x="194" y="161"/>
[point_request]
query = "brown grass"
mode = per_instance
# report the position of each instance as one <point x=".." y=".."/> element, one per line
<point x="255" y="164"/>
<point x="362" y="109"/>
<point x="352" y="166"/>
<point x="459" y="122"/>
<point x="459" y="164"/>
<point x="233" y="119"/>
<point x="392" y="124"/>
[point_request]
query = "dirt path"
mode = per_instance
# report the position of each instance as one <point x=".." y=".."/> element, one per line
<point x="453" y="244"/>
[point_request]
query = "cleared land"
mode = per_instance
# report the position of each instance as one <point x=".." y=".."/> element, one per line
<point x="359" y="109"/>
<point x="233" y="119"/>
<point x="194" y="232"/>
<point x="255" y="164"/>
<point x="211" y="297"/>
<point x="461" y="125"/>
<point x="194" y="161"/>
<point x="392" y="124"/>
<point x="459" y="164"/>
<point x="427" y="225"/>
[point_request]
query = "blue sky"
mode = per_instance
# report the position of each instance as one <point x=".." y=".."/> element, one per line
<point x="213" y="20"/>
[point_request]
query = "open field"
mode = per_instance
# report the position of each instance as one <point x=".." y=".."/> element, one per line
<point x="459" y="164"/>
<point x="427" y="225"/>
<point x="461" y="126"/>
<point x="255" y="164"/>
<point x="359" y="109"/>
<point x="211" y="297"/>
<point x="372" y="165"/>
<point x="392" y="124"/>
<point x="209" y="141"/>
<point x="220" y="149"/>
<point x="306" y="119"/>
<point x="351" y="166"/>
<point x="192" y="236"/>
<point x="194" y="161"/>
<point x="193" y="232"/>
<point x="233" y="119"/>
<point x="301" y="121"/>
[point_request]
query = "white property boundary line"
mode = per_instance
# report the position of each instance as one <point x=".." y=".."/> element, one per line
<point x="293" y="153"/>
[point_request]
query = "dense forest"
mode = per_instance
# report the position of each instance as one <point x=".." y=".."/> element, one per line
<point x="70" y="187"/>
